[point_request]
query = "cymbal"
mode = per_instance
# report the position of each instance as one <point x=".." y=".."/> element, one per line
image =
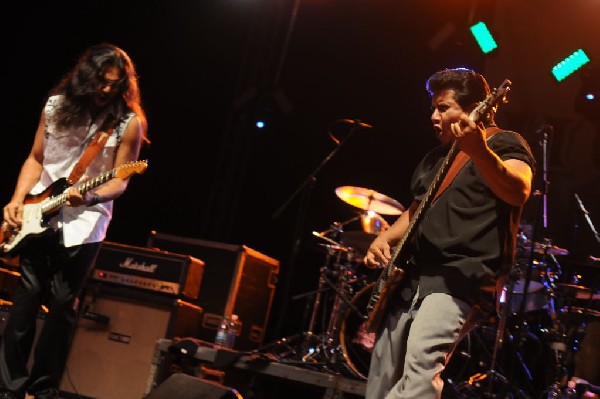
<point x="369" y="200"/>
<point x="577" y="311"/>
<point x="578" y="291"/>
<point x="331" y="247"/>
<point x="543" y="248"/>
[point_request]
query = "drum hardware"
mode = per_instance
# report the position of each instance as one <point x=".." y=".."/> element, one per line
<point x="319" y="346"/>
<point x="511" y="367"/>
<point x="496" y="381"/>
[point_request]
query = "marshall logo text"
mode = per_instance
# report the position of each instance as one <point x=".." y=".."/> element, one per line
<point x="129" y="263"/>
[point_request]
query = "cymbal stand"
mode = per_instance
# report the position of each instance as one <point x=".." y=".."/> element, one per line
<point x="325" y="347"/>
<point x="493" y="375"/>
<point x="557" y="332"/>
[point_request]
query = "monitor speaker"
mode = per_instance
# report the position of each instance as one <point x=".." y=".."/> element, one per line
<point x="183" y="386"/>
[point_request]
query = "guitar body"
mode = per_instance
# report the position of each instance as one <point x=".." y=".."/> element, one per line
<point x="39" y="209"/>
<point x="382" y="304"/>
<point x="35" y="222"/>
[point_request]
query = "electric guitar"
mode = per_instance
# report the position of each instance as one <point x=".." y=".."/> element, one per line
<point x="392" y="275"/>
<point x="39" y="209"/>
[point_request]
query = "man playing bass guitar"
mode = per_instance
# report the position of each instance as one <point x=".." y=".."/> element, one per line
<point x="462" y="248"/>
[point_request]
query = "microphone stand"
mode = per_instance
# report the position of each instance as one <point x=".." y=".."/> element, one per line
<point x="520" y="323"/>
<point x="544" y="130"/>
<point x="306" y="188"/>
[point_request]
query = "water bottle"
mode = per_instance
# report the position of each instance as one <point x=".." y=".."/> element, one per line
<point x="222" y="338"/>
<point x="228" y="330"/>
<point x="235" y="327"/>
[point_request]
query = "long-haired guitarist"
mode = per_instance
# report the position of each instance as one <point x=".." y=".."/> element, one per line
<point x="99" y="95"/>
<point x="461" y="249"/>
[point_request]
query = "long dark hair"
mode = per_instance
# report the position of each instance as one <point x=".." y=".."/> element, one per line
<point x="79" y="85"/>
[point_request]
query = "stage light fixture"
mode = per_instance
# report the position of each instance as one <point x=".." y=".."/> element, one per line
<point x="260" y="124"/>
<point x="570" y="64"/>
<point x="590" y="96"/>
<point x="484" y="37"/>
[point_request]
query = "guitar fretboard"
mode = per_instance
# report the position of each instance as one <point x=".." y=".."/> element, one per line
<point x="53" y="203"/>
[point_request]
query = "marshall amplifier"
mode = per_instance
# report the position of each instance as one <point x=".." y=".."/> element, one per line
<point x="149" y="269"/>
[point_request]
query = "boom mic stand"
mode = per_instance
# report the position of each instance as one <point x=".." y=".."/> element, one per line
<point x="306" y="189"/>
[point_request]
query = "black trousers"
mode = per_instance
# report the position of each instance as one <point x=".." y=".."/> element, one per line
<point x="54" y="276"/>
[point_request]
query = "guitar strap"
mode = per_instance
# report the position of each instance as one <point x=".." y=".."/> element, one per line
<point x="91" y="151"/>
<point x="460" y="161"/>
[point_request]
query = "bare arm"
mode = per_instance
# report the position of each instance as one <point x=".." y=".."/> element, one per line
<point x="509" y="180"/>
<point x="128" y="151"/>
<point x="28" y="176"/>
<point x="379" y="252"/>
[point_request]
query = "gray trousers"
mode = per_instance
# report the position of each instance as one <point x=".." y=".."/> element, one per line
<point x="414" y="345"/>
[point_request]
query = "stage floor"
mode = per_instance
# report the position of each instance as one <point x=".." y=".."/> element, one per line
<point x="257" y="374"/>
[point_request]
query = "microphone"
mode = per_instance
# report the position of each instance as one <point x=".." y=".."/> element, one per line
<point x="545" y="129"/>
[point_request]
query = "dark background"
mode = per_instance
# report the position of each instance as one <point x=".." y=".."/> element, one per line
<point x="209" y="68"/>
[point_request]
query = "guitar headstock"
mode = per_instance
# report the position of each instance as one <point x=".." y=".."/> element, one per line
<point x="491" y="102"/>
<point x="126" y="170"/>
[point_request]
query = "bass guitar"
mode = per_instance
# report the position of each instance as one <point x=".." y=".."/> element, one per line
<point x="392" y="275"/>
<point x="40" y="208"/>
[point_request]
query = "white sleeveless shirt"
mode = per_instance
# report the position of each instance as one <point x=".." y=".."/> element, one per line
<point x="62" y="149"/>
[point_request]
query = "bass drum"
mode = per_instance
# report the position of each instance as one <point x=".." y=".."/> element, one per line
<point x="356" y="342"/>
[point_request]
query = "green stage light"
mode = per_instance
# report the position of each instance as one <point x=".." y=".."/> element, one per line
<point x="484" y="37"/>
<point x="570" y="64"/>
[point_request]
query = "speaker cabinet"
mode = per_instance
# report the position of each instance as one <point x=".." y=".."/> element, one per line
<point x="183" y="386"/>
<point x="237" y="280"/>
<point x="113" y="346"/>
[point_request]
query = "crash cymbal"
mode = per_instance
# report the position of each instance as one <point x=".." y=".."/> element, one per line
<point x="369" y="200"/>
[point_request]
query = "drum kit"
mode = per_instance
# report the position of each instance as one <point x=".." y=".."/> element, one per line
<point x="534" y="337"/>
<point x="337" y="308"/>
<point x="524" y="351"/>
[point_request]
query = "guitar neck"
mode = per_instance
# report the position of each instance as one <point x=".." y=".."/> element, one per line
<point x="52" y="204"/>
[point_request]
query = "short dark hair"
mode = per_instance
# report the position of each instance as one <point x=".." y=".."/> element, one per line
<point x="469" y="86"/>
